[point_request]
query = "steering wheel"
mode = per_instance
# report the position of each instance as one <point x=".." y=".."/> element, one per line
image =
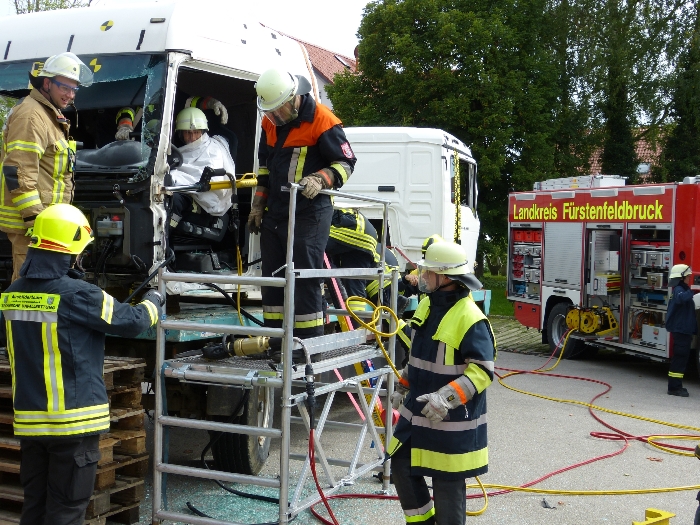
<point x="175" y="159"/>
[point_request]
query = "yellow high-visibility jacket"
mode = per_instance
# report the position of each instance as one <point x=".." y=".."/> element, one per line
<point x="36" y="162"/>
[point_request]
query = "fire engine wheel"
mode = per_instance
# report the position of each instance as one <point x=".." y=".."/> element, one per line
<point x="556" y="330"/>
<point x="242" y="453"/>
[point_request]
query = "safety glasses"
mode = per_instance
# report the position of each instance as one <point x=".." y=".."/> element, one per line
<point x="65" y="88"/>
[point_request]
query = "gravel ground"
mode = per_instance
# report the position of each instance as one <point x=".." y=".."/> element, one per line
<point x="528" y="438"/>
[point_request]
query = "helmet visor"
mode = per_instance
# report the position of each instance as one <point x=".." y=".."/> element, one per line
<point x="428" y="281"/>
<point x="284" y="114"/>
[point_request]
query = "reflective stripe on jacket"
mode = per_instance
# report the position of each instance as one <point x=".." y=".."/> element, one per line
<point x="315" y="140"/>
<point x="55" y="332"/>
<point x="36" y="162"/>
<point x="451" y="337"/>
<point x="351" y="228"/>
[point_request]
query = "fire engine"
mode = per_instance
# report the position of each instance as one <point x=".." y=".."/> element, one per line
<point x="591" y="256"/>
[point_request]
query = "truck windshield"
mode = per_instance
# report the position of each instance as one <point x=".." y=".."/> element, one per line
<point x="120" y="81"/>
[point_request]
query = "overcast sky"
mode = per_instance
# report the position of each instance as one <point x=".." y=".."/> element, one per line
<point x="326" y="23"/>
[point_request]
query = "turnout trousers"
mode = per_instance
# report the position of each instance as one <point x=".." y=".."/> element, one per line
<point x="449" y="505"/>
<point x="58" y="477"/>
<point x="679" y="360"/>
<point x="310" y="236"/>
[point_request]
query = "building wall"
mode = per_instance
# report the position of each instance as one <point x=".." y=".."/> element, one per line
<point x="322" y="83"/>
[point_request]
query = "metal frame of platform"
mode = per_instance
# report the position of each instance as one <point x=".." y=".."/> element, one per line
<point x="324" y="353"/>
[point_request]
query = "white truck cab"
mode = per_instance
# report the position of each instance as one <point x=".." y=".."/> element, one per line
<point x="153" y="55"/>
<point x="429" y="176"/>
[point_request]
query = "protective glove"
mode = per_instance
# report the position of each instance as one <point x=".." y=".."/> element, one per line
<point x="449" y="396"/>
<point x="219" y="109"/>
<point x="257" y="209"/>
<point x="320" y="180"/>
<point x="127" y="120"/>
<point x="155" y="297"/>
<point x="401" y="389"/>
<point x="125" y="127"/>
<point x="209" y="103"/>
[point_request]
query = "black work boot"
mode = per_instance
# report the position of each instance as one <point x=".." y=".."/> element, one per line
<point x="680" y="392"/>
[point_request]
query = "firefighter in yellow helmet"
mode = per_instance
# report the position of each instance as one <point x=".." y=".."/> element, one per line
<point x="36" y="161"/>
<point x="442" y="429"/>
<point x="51" y="316"/>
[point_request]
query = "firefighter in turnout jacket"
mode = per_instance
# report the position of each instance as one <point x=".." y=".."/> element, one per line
<point x="55" y="324"/>
<point x="352" y="244"/>
<point x="682" y="323"/>
<point x="442" y="429"/>
<point x="301" y="142"/>
<point x="37" y="159"/>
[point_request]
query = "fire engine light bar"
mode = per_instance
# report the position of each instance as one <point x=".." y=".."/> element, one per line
<point x="612" y="192"/>
<point x="653" y="190"/>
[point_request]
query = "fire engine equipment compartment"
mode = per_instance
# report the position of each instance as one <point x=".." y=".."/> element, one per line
<point x="605" y="254"/>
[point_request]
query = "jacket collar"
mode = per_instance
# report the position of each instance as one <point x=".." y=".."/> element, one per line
<point x="41" y="99"/>
<point x="43" y="264"/>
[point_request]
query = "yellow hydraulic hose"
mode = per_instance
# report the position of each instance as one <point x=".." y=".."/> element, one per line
<point x="651" y="440"/>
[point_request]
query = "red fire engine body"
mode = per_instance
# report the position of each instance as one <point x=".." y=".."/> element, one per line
<point x="596" y="260"/>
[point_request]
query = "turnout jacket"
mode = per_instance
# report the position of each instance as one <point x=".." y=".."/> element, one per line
<point x="451" y="337"/>
<point x="36" y="162"/>
<point x="313" y="141"/>
<point x="681" y="311"/>
<point x="55" y="326"/>
<point x="350" y="228"/>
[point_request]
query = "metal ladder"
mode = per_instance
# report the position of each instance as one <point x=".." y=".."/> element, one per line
<point x="335" y="351"/>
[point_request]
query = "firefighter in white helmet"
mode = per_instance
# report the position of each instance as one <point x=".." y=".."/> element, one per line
<point x="37" y="160"/>
<point x="200" y="150"/>
<point x="303" y="142"/>
<point x="442" y="429"/>
<point x="681" y="322"/>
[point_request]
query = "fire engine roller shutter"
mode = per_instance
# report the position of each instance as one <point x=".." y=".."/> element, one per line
<point x="562" y="260"/>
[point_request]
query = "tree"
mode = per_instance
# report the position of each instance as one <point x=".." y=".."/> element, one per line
<point x="682" y="151"/>
<point x="638" y="44"/>
<point x="476" y="69"/>
<point x="30" y="6"/>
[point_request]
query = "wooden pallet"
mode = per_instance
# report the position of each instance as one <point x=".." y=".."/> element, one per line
<point x="125" y="492"/>
<point x="123" y="464"/>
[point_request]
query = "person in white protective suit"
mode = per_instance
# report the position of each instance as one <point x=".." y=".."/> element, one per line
<point x="200" y="150"/>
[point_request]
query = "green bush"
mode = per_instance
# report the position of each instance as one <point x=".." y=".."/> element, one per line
<point x="494" y="282"/>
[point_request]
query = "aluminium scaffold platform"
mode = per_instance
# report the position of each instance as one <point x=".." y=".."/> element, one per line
<point x="324" y="353"/>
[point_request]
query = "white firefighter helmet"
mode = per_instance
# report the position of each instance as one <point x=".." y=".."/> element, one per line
<point x="448" y="258"/>
<point x="276" y="87"/>
<point x="190" y="119"/>
<point x="67" y="65"/>
<point x="679" y="271"/>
